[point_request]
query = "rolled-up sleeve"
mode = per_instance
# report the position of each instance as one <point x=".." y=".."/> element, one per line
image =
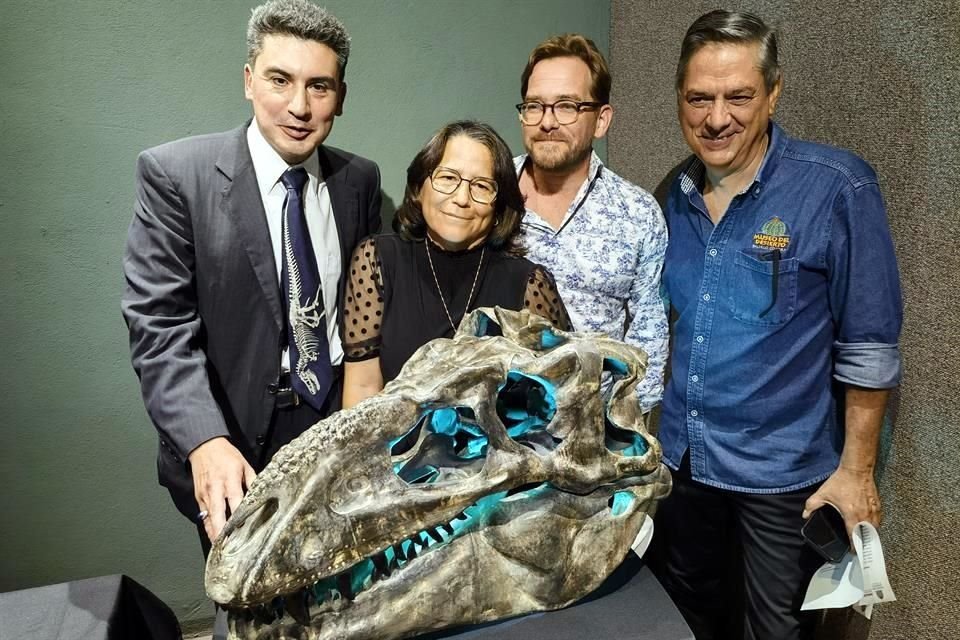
<point x="865" y="295"/>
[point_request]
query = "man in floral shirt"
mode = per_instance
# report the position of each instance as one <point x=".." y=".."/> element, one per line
<point x="602" y="237"/>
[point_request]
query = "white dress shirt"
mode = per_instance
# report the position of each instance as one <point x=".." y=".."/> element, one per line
<point x="269" y="166"/>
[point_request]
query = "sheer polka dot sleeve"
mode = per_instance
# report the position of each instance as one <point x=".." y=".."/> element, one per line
<point x="543" y="299"/>
<point x="363" y="304"/>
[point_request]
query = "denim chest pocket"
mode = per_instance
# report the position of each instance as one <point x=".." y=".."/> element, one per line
<point x="763" y="290"/>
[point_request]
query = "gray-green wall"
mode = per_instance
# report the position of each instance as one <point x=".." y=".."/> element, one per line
<point x="84" y="86"/>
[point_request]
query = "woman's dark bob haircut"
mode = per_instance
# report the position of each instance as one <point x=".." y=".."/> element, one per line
<point x="508" y="208"/>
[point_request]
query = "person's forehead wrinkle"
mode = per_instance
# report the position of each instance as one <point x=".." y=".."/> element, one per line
<point x="716" y="79"/>
<point x="560" y="78"/>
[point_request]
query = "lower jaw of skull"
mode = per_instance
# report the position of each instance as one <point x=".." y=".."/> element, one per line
<point x="399" y="567"/>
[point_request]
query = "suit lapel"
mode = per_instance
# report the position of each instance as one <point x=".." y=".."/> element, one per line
<point x="344" y="201"/>
<point x="242" y="204"/>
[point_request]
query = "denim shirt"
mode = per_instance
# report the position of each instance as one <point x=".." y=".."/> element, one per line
<point x="794" y="290"/>
<point x="607" y="257"/>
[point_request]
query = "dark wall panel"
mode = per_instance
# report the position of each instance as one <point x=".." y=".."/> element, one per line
<point x="880" y="78"/>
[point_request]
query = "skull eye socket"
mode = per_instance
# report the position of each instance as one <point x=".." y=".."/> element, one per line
<point x="525" y="405"/>
<point x="445" y="444"/>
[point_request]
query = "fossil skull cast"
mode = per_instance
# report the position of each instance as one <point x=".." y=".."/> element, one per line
<point x="504" y="471"/>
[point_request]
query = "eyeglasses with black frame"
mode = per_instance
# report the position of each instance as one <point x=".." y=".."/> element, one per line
<point x="447" y="181"/>
<point x="565" y="111"/>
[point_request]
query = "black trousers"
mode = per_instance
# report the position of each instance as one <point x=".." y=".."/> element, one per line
<point x="734" y="563"/>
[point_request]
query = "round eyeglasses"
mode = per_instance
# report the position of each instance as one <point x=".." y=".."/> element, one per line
<point x="446" y="181"/>
<point x="565" y="111"/>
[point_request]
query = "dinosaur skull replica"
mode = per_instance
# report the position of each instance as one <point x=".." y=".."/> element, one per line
<point x="504" y="471"/>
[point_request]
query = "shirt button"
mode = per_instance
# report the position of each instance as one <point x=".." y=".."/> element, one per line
<point x="695" y="378"/>
<point x="261" y="439"/>
<point x="694" y="413"/>
<point x="713" y="252"/>
<point x="699" y="338"/>
<point x="706" y="297"/>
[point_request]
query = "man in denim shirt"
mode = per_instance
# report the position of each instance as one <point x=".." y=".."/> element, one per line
<point x="783" y="280"/>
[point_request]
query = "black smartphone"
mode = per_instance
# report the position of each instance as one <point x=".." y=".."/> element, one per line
<point x="826" y="533"/>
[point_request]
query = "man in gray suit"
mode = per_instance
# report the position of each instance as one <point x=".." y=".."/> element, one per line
<point x="208" y="301"/>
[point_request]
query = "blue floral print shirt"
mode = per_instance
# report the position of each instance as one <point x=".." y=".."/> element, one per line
<point x="607" y="257"/>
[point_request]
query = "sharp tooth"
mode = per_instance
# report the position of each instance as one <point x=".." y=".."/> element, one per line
<point x="343" y="585"/>
<point x="433" y="534"/>
<point x="298" y="606"/>
<point x="411" y="552"/>
<point x="398" y="552"/>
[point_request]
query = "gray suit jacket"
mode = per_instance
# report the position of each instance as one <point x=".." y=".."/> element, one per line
<point x="202" y="301"/>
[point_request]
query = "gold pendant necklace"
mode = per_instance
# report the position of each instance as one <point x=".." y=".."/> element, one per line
<point x="426" y="243"/>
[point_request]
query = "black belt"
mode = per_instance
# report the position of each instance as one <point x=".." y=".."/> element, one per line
<point x="286" y="397"/>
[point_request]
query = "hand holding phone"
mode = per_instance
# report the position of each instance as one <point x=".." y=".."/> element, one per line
<point x="826" y="533"/>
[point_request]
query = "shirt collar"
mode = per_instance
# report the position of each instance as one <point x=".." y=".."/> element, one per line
<point x="594" y="172"/>
<point x="596" y="165"/>
<point x="267" y="163"/>
<point x="692" y="176"/>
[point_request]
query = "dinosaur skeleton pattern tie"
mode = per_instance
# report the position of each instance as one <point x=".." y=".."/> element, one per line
<point x="311" y="373"/>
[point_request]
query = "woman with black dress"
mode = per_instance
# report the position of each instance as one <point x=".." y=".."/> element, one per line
<point x="455" y="249"/>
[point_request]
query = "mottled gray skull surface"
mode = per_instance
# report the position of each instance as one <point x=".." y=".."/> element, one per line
<point x="504" y="471"/>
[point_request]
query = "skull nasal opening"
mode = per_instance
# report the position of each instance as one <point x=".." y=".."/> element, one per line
<point x="525" y="405"/>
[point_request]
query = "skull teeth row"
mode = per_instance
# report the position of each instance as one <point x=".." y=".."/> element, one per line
<point x="341" y="586"/>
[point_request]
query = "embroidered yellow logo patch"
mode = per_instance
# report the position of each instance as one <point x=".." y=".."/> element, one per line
<point x="774" y="234"/>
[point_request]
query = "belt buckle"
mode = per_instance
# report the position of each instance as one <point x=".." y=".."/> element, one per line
<point x="286" y="397"/>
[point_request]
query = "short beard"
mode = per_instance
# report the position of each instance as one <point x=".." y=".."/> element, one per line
<point x="555" y="162"/>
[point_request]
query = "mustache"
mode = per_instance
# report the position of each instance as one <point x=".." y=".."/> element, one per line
<point x="552" y="138"/>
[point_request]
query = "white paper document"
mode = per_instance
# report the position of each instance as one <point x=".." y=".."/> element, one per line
<point x="642" y="541"/>
<point x="858" y="580"/>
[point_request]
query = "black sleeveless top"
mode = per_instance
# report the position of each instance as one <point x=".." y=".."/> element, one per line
<point x="392" y="306"/>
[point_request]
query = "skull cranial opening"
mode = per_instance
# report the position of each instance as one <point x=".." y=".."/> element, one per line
<point x="504" y="471"/>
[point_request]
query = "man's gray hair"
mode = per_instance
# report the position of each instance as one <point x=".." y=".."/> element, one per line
<point x="301" y="19"/>
<point x="733" y="27"/>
